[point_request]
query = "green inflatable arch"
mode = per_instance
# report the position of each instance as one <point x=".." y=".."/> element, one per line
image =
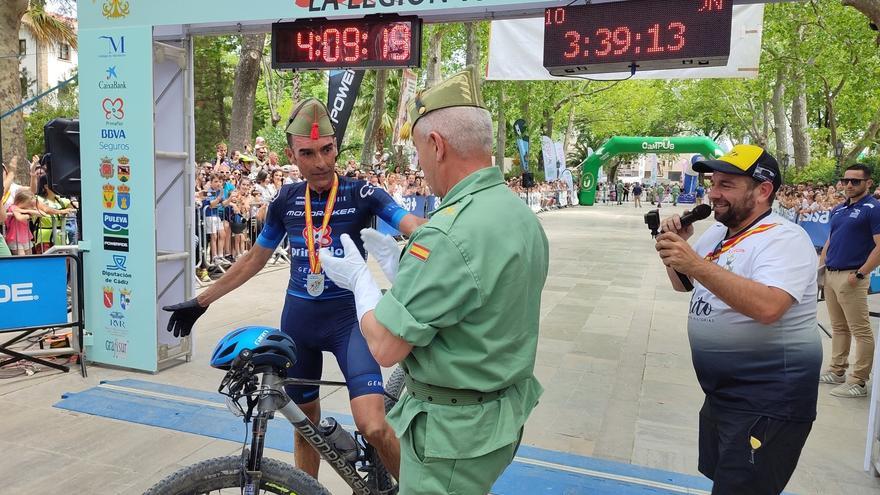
<point x="619" y="145"/>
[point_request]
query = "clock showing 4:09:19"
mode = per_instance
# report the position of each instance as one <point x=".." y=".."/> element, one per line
<point x="653" y="34"/>
<point x="373" y="41"/>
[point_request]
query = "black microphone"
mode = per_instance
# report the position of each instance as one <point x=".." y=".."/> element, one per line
<point x="699" y="213"/>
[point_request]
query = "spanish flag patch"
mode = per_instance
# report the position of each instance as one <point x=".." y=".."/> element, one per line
<point x="419" y="251"/>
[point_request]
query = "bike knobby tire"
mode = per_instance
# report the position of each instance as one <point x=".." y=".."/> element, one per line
<point x="394" y="387"/>
<point x="225" y="472"/>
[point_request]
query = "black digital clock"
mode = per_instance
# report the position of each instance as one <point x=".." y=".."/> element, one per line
<point x="370" y="42"/>
<point x="652" y="34"/>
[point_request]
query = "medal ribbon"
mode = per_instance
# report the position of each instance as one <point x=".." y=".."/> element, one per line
<point x="314" y="261"/>
<point x="726" y="245"/>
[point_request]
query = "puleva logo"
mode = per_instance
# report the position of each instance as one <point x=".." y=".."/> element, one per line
<point x="116" y="224"/>
<point x="115" y="46"/>
<point x="115" y="9"/>
<point x="114" y="109"/>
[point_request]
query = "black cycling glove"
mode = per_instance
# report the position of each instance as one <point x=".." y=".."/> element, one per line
<point x="184" y="316"/>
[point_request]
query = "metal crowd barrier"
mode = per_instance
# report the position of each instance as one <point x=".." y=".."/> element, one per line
<point x="39" y="293"/>
<point x="204" y="257"/>
<point x="545" y="200"/>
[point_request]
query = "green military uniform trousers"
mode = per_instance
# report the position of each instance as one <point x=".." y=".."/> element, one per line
<point x="434" y="475"/>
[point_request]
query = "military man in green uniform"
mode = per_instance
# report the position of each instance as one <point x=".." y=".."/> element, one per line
<point x="462" y="315"/>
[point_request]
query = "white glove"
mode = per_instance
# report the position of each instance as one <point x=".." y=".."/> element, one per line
<point x="385" y="249"/>
<point x="351" y="272"/>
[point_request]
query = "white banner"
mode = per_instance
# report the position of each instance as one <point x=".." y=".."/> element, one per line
<point x="560" y="158"/>
<point x="407" y="93"/>
<point x="551" y="170"/>
<point x="516" y="51"/>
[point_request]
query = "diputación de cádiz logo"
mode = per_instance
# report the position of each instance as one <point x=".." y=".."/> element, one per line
<point x="114" y="9"/>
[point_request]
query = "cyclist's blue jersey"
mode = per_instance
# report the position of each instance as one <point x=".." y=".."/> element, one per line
<point x="356" y="204"/>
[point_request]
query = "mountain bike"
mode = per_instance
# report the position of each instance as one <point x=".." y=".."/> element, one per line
<point x="256" y="393"/>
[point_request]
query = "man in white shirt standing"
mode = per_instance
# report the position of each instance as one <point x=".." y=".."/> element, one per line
<point x="751" y="325"/>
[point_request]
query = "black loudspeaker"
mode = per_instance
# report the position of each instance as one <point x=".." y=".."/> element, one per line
<point x="62" y="156"/>
<point x="528" y="180"/>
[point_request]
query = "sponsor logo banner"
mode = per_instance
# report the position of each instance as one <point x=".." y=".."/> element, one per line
<point x="33" y="292"/>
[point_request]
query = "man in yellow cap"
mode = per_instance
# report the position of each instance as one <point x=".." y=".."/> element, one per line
<point x="751" y="325"/>
<point x="462" y="315"/>
<point x="318" y="314"/>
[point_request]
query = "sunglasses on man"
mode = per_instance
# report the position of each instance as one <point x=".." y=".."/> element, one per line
<point x="855" y="182"/>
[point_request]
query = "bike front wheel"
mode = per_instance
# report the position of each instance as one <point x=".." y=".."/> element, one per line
<point x="224" y="475"/>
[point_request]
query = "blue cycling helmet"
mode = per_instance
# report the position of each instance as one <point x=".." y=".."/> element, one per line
<point x="269" y="347"/>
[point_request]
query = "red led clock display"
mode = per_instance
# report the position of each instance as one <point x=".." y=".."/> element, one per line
<point x="372" y="42"/>
<point x="655" y="34"/>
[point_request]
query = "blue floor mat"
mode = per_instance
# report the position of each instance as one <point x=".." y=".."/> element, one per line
<point x="534" y="471"/>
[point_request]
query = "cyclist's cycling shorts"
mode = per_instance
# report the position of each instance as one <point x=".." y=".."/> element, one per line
<point x="328" y="325"/>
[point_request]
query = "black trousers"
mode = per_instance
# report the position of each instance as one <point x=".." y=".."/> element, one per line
<point x="728" y="458"/>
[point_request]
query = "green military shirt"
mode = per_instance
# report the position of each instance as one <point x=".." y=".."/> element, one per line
<point x="467" y="297"/>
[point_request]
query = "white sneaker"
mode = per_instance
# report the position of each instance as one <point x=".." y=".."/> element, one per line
<point x="832" y="377"/>
<point x="850" y="390"/>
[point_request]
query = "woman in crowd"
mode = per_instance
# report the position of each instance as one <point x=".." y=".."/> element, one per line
<point x="276" y="183"/>
<point x="51" y="227"/>
<point x="261" y="185"/>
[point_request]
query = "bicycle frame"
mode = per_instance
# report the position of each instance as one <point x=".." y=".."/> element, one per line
<point x="273" y="398"/>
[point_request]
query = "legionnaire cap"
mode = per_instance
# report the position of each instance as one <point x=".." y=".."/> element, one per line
<point x="745" y="159"/>
<point x="310" y="119"/>
<point x="459" y="90"/>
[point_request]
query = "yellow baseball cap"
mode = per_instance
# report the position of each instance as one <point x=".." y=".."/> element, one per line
<point x="745" y="159"/>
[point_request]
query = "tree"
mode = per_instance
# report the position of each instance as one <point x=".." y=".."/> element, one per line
<point x="213" y="76"/>
<point x="247" y="76"/>
<point x="373" y="134"/>
<point x="12" y="127"/>
<point x="871" y="9"/>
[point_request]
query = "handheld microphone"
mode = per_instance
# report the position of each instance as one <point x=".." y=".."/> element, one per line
<point x="700" y="212"/>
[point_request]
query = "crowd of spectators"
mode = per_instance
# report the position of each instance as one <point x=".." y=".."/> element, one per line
<point x="35" y="217"/>
<point x="233" y="191"/>
<point x="545" y="195"/>
<point x="808" y="198"/>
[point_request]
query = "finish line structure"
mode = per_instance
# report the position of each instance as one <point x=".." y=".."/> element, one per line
<point x="620" y="145"/>
<point x="137" y="147"/>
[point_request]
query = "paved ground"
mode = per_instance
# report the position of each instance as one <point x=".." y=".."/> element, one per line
<point x="613" y="357"/>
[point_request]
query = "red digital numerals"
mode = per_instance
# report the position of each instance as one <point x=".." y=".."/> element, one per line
<point x="621" y="40"/>
<point x="352" y="45"/>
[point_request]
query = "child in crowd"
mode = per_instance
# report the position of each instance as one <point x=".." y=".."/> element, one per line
<point x="18" y="214"/>
<point x="213" y="222"/>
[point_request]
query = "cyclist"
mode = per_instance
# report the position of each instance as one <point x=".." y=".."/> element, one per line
<point x="318" y="314"/>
